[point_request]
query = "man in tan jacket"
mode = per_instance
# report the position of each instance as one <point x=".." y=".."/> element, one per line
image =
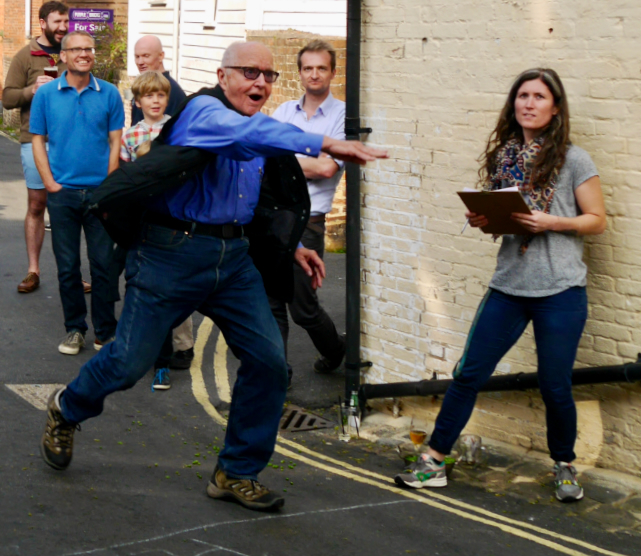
<point x="26" y="74"/>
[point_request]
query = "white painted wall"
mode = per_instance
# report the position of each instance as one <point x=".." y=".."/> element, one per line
<point x="325" y="17"/>
<point x="201" y="41"/>
<point x="145" y="19"/>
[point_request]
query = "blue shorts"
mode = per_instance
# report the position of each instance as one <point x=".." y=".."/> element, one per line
<point x="31" y="175"/>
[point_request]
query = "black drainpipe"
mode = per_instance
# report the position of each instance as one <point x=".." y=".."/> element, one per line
<point x="353" y="131"/>
<point x="629" y="372"/>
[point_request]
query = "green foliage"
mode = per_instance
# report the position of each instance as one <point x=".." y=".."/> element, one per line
<point x="111" y="53"/>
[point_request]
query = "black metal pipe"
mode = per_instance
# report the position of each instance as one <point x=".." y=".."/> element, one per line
<point x="629" y="372"/>
<point x="353" y="202"/>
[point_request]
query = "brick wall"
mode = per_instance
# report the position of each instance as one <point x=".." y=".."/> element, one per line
<point x="285" y="46"/>
<point x="435" y="76"/>
<point x="14" y="38"/>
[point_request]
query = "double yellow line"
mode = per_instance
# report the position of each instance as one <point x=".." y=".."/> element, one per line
<point x="295" y="451"/>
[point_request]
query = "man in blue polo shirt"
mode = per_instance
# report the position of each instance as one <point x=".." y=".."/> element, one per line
<point x="83" y="117"/>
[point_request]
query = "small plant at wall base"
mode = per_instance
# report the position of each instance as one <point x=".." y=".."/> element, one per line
<point x="111" y="53"/>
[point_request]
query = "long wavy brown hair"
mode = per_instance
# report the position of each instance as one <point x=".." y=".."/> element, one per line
<point x="556" y="136"/>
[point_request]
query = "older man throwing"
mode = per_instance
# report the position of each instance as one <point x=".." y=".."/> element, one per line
<point x="193" y="255"/>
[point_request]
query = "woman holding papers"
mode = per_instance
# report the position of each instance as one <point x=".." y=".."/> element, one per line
<point x="539" y="277"/>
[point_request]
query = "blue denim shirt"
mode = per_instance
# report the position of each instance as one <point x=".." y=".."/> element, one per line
<point x="227" y="191"/>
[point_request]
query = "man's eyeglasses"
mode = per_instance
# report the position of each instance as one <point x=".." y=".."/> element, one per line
<point x="77" y="50"/>
<point x="254" y="73"/>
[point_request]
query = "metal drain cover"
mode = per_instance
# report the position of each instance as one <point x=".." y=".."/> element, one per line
<point x="295" y="419"/>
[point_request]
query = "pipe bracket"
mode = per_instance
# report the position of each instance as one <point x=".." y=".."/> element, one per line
<point x="359" y="366"/>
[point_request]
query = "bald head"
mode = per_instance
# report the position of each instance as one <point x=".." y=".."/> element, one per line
<point x="149" y="54"/>
<point x="246" y="95"/>
<point x="237" y="50"/>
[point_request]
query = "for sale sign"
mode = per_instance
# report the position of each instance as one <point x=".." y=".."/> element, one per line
<point x="90" y="20"/>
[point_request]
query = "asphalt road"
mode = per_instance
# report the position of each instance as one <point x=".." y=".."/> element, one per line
<point x="137" y="482"/>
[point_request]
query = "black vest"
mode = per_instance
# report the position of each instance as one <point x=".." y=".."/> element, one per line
<point x="279" y="218"/>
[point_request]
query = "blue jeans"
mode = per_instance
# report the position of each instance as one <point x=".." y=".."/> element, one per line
<point x="169" y="276"/>
<point x="67" y="212"/>
<point x="558" y="322"/>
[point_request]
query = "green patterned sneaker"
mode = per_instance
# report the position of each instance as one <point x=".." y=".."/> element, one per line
<point x="568" y="488"/>
<point x="426" y="472"/>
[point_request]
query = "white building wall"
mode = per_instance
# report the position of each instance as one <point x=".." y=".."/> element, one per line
<point x="207" y="27"/>
<point x="147" y="19"/>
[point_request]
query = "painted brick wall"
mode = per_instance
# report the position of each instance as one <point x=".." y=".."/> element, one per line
<point x="14" y="38"/>
<point x="285" y="46"/>
<point x="435" y="76"/>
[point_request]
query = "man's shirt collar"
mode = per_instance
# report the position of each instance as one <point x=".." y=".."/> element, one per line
<point x="93" y="83"/>
<point x="323" y="109"/>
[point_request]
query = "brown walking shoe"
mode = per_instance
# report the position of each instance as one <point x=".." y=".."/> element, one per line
<point x="247" y="492"/>
<point x="30" y="283"/>
<point x="56" y="446"/>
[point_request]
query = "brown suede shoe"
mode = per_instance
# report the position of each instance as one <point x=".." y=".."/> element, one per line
<point x="86" y="286"/>
<point x="29" y="284"/>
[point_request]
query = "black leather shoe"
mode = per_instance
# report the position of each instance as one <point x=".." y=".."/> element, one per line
<point x="181" y="360"/>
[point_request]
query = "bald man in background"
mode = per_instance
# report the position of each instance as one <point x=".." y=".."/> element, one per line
<point x="149" y="56"/>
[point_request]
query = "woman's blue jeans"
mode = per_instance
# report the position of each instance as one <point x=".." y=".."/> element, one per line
<point x="169" y="276"/>
<point x="558" y="322"/>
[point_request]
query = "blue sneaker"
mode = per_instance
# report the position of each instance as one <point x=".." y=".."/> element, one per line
<point x="426" y="472"/>
<point x="161" y="380"/>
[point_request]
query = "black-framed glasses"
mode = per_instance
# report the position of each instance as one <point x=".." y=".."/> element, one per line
<point x="254" y="73"/>
<point x="77" y="50"/>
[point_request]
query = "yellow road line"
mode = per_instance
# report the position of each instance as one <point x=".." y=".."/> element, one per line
<point x="220" y="366"/>
<point x="426" y="497"/>
<point x="448" y="500"/>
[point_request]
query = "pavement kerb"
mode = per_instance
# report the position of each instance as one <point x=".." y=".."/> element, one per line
<point x="388" y="430"/>
<point x="3" y="134"/>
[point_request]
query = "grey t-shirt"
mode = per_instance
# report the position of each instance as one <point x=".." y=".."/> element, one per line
<point x="553" y="261"/>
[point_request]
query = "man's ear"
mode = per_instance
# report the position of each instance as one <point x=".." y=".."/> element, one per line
<point x="43" y="24"/>
<point x="63" y="56"/>
<point x="162" y="55"/>
<point x="222" y="78"/>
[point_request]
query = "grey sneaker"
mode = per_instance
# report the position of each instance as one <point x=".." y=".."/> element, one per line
<point x="426" y="472"/>
<point x="568" y="488"/>
<point x="56" y="446"/>
<point x="249" y="493"/>
<point x="74" y="341"/>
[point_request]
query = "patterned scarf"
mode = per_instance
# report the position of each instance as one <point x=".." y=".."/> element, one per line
<point x="514" y="168"/>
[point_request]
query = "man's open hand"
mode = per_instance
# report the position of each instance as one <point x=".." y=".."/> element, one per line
<point x="312" y="264"/>
<point x="351" y="151"/>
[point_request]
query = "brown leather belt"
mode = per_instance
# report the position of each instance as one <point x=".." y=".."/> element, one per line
<point x="222" y="231"/>
<point x="314" y="221"/>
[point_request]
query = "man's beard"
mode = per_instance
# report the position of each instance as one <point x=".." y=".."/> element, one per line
<point x="51" y="37"/>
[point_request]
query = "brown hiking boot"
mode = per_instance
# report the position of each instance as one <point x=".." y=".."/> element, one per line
<point x="56" y="446"/>
<point x="247" y="492"/>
